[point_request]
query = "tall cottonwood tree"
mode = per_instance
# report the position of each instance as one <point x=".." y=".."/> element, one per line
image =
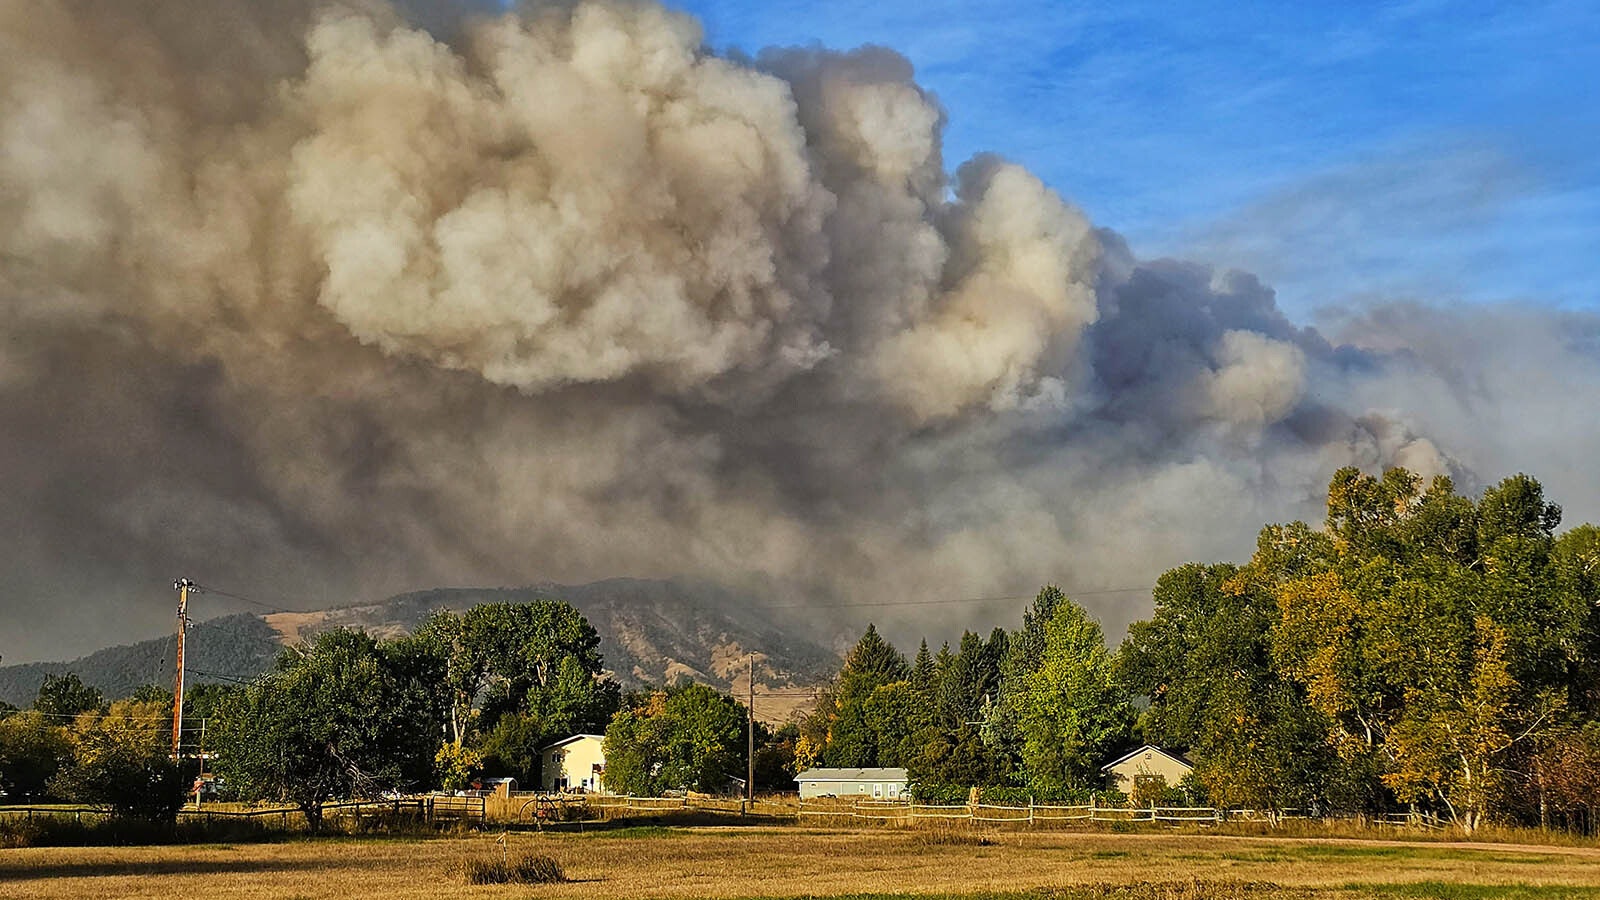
<point x="1073" y="713"/>
<point x="1439" y="638"/>
<point x="342" y="716"/>
<point x="519" y="676"/>
<point x="1204" y="660"/>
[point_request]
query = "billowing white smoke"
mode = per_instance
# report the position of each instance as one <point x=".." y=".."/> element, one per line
<point x="318" y="301"/>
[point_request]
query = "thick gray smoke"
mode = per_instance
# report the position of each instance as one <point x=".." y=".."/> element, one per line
<point x="322" y="300"/>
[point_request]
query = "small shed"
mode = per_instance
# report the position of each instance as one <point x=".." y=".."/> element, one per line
<point x="1145" y="764"/>
<point x="498" y="787"/>
<point x="575" y="764"/>
<point x="875" y="784"/>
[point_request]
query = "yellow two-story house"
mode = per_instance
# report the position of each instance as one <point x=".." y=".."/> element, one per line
<point x="575" y="764"/>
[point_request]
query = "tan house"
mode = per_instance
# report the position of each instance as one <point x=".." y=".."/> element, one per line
<point x="575" y="764"/>
<point x="1145" y="764"/>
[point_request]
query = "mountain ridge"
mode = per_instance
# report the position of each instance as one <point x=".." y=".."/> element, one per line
<point x="651" y="631"/>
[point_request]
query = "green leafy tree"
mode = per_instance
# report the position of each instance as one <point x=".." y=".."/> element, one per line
<point x="344" y="716"/>
<point x="121" y="762"/>
<point x="687" y="737"/>
<point x="1024" y="652"/>
<point x="1074" y="713"/>
<point x="1575" y="557"/>
<point x="1204" y="661"/>
<point x="33" y="748"/>
<point x="65" y="696"/>
<point x="1439" y="639"/>
<point x="520" y="676"/>
<point x="456" y="765"/>
<point x="775" y="758"/>
<point x="152" y="693"/>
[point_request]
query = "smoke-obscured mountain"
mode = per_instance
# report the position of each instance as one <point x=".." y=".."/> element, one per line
<point x="238" y="646"/>
<point x="650" y="631"/>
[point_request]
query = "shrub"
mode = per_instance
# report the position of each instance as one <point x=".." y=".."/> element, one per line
<point x="535" y="869"/>
<point x="1022" y="796"/>
<point x="940" y="794"/>
<point x="1111" y="798"/>
<point x="530" y="869"/>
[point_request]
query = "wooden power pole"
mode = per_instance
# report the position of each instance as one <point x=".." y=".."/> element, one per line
<point x="183" y="586"/>
<point x="750" y="750"/>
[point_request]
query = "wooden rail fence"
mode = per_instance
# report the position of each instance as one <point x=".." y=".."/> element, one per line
<point x="424" y="808"/>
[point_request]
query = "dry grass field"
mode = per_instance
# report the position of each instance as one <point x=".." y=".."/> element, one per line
<point x="729" y="862"/>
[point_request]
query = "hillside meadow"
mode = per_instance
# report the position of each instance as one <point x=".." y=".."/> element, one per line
<point x="757" y="861"/>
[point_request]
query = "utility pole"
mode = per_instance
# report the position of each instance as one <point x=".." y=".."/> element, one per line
<point x="750" y="751"/>
<point x="183" y="586"/>
<point x="200" y="780"/>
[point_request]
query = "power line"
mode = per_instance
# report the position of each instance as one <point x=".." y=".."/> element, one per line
<point x="852" y="604"/>
<point x="949" y="600"/>
<point x="105" y="715"/>
<point x="272" y="607"/>
<point x="218" y="675"/>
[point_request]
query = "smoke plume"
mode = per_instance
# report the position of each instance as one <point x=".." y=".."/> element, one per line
<point x="323" y="300"/>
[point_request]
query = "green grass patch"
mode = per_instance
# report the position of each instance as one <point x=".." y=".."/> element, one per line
<point x="1337" y="852"/>
<point x="643" y="831"/>
<point x="1145" y="890"/>
<point x="1443" y="891"/>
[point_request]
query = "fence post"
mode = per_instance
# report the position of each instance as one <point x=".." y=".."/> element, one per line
<point x="1030" y="810"/>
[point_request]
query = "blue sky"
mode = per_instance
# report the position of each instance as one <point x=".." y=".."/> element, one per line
<point x="1352" y="151"/>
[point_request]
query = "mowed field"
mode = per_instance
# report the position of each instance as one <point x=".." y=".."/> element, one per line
<point x="798" y="862"/>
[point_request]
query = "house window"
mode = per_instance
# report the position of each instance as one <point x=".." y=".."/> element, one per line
<point x="877" y="791"/>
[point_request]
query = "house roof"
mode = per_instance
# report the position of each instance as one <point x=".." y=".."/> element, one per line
<point x="852" y="775"/>
<point x="1175" y="757"/>
<point x="576" y="737"/>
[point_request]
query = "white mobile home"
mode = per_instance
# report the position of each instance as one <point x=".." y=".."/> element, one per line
<point x="872" y="784"/>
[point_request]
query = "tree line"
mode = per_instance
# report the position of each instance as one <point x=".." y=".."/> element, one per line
<point x="466" y="695"/>
<point x="1418" y="650"/>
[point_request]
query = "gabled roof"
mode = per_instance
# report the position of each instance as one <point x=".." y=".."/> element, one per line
<point x="852" y="775"/>
<point x="576" y="737"/>
<point x="1175" y="757"/>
